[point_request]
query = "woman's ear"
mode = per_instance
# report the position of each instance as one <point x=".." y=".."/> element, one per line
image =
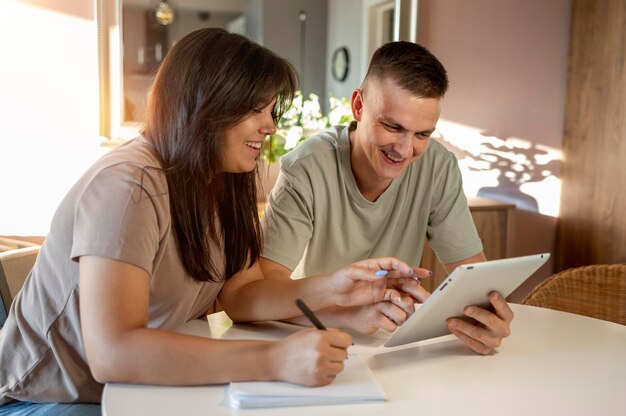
<point x="356" y="104"/>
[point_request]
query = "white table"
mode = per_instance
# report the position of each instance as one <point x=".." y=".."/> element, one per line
<point x="554" y="363"/>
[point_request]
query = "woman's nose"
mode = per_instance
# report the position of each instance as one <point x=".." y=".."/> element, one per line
<point x="268" y="127"/>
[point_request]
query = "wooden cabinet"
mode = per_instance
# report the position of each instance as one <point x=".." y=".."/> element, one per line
<point x="493" y="220"/>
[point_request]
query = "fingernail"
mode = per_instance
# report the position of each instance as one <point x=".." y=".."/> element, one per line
<point x="469" y="310"/>
<point x="452" y="323"/>
<point x="381" y="273"/>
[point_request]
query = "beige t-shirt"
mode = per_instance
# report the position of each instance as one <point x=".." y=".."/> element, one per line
<point x="119" y="210"/>
<point x="318" y="220"/>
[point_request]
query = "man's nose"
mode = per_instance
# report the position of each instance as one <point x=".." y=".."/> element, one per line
<point x="403" y="146"/>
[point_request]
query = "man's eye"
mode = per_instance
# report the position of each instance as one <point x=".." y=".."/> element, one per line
<point x="393" y="128"/>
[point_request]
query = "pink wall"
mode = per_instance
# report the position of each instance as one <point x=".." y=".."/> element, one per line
<point x="507" y="62"/>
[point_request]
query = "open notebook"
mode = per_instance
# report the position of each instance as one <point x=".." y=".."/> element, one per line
<point x="355" y="384"/>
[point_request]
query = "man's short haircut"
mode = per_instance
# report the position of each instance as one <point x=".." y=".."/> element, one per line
<point x="411" y="66"/>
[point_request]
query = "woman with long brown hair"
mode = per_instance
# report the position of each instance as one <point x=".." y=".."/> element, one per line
<point x="155" y="232"/>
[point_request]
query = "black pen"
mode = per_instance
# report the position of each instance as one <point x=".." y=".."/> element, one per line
<point x="309" y="314"/>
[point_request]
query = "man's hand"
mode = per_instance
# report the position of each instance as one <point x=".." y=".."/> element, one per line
<point x="491" y="328"/>
<point x="410" y="284"/>
<point x="388" y="314"/>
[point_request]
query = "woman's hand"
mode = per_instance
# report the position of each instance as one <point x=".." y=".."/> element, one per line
<point x="359" y="284"/>
<point x="310" y="357"/>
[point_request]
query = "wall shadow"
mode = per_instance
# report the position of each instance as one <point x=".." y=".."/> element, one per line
<point x="517" y="165"/>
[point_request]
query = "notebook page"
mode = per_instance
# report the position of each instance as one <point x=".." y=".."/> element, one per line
<point x="354" y="384"/>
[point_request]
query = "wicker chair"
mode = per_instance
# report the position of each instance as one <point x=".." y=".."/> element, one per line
<point x="598" y="291"/>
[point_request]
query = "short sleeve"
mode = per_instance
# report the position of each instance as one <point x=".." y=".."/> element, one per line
<point x="288" y="221"/>
<point x="451" y="231"/>
<point x="122" y="214"/>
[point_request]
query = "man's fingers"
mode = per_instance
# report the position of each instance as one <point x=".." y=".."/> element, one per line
<point x="501" y="307"/>
<point x="386" y="323"/>
<point x="402" y="301"/>
<point x="490" y="329"/>
<point x="391" y="295"/>
<point x="477" y="333"/>
<point x="394" y="313"/>
<point x="411" y="287"/>
<point x="475" y="345"/>
<point x="492" y="322"/>
<point x="420" y="294"/>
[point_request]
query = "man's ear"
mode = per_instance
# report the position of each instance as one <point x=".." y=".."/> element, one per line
<point x="357" y="104"/>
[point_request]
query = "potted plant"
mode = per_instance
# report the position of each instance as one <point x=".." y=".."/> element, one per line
<point x="303" y="120"/>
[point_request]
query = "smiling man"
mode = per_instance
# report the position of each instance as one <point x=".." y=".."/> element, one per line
<point x="380" y="186"/>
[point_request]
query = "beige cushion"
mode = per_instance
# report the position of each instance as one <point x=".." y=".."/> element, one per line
<point x="14" y="268"/>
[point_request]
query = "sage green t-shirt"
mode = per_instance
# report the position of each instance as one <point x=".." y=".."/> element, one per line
<point x="318" y="220"/>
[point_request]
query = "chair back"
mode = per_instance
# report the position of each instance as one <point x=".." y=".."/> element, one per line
<point x="14" y="268"/>
<point x="598" y="291"/>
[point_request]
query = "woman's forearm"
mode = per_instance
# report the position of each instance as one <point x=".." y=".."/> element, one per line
<point x="269" y="299"/>
<point x="152" y="356"/>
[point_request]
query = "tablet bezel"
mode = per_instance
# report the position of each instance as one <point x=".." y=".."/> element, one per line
<point x="469" y="284"/>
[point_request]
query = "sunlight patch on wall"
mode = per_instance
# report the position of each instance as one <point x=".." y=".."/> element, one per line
<point x="508" y="169"/>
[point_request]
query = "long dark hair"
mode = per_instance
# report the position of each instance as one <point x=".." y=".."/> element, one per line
<point x="209" y="81"/>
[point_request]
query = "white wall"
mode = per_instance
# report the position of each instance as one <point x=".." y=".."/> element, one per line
<point x="344" y="29"/>
<point x="276" y="25"/>
<point x="48" y="107"/>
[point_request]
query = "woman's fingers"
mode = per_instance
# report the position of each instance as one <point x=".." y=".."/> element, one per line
<point x="311" y="357"/>
<point x="339" y="339"/>
<point x="385" y="263"/>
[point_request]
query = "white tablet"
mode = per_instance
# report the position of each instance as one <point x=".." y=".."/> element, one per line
<point x="469" y="284"/>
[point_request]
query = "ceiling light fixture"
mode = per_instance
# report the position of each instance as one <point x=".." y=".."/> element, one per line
<point x="164" y="13"/>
